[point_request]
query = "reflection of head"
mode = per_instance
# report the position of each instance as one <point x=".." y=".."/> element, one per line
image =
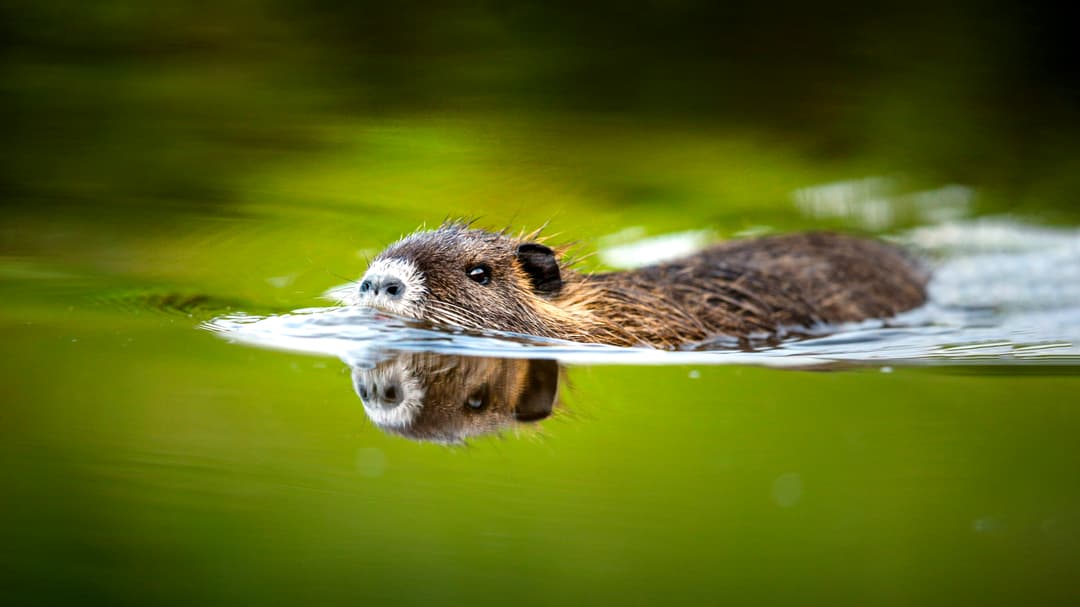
<point x="446" y="398"/>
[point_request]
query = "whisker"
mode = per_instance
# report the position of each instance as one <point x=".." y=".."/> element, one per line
<point x="450" y="306"/>
<point x="453" y="314"/>
<point x="339" y="276"/>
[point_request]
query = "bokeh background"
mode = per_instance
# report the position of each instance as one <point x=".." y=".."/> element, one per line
<point x="190" y="106"/>
<point x="167" y="161"/>
<point x="123" y="118"/>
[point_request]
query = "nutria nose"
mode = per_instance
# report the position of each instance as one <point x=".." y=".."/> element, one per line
<point x="392" y="287"/>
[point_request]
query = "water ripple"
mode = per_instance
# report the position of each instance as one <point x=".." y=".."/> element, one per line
<point x="1002" y="293"/>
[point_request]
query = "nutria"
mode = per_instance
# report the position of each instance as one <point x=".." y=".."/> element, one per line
<point x="743" y="289"/>
<point x="447" y="398"/>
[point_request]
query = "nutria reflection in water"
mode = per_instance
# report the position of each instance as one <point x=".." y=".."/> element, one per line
<point x="447" y="398"/>
<point x="745" y="289"/>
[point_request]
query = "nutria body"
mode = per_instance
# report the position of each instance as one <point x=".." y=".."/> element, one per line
<point x="743" y="289"/>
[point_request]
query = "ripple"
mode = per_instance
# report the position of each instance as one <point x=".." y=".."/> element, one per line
<point x="1016" y="304"/>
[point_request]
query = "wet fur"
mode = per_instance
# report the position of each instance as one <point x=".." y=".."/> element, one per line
<point x="743" y="289"/>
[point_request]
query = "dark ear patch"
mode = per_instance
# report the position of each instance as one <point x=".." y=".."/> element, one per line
<point x="539" y="263"/>
<point x="541" y="389"/>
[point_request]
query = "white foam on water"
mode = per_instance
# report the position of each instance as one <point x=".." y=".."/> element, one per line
<point x="1002" y="292"/>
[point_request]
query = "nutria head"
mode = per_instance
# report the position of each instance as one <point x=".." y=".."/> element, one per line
<point x="465" y="277"/>
<point x="447" y="398"/>
<point x="474" y="279"/>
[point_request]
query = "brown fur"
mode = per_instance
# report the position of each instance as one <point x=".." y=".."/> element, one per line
<point x="456" y="396"/>
<point x="743" y="289"/>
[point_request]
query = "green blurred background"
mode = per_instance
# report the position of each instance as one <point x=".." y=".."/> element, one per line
<point x="164" y="162"/>
<point x="175" y="106"/>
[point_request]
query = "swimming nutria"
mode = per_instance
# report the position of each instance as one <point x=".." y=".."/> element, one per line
<point x="744" y="289"/>
<point x="447" y="398"/>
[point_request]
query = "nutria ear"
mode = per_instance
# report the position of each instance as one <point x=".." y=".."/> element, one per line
<point x="539" y="263"/>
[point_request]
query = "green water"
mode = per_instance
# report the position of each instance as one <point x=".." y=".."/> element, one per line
<point x="146" y="460"/>
<point x="166" y="166"/>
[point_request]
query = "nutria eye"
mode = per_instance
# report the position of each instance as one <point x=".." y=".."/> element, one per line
<point x="479" y="274"/>
<point x="475" y="402"/>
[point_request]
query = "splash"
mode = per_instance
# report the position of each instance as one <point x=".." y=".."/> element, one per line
<point x="1002" y="292"/>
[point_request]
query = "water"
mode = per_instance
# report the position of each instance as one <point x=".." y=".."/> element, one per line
<point x="188" y="420"/>
<point x="1001" y="292"/>
<point x="174" y="167"/>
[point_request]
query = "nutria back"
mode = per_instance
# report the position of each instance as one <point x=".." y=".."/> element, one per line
<point x="743" y="289"/>
<point x="761" y="287"/>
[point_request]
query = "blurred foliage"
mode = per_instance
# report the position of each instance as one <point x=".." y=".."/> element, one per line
<point x="147" y="108"/>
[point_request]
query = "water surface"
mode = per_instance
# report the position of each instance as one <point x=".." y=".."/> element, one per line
<point x="173" y="167"/>
<point x="147" y="459"/>
<point x="1001" y="292"/>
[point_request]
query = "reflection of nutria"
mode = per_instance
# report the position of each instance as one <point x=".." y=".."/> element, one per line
<point x="744" y="289"/>
<point x="447" y="398"/>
